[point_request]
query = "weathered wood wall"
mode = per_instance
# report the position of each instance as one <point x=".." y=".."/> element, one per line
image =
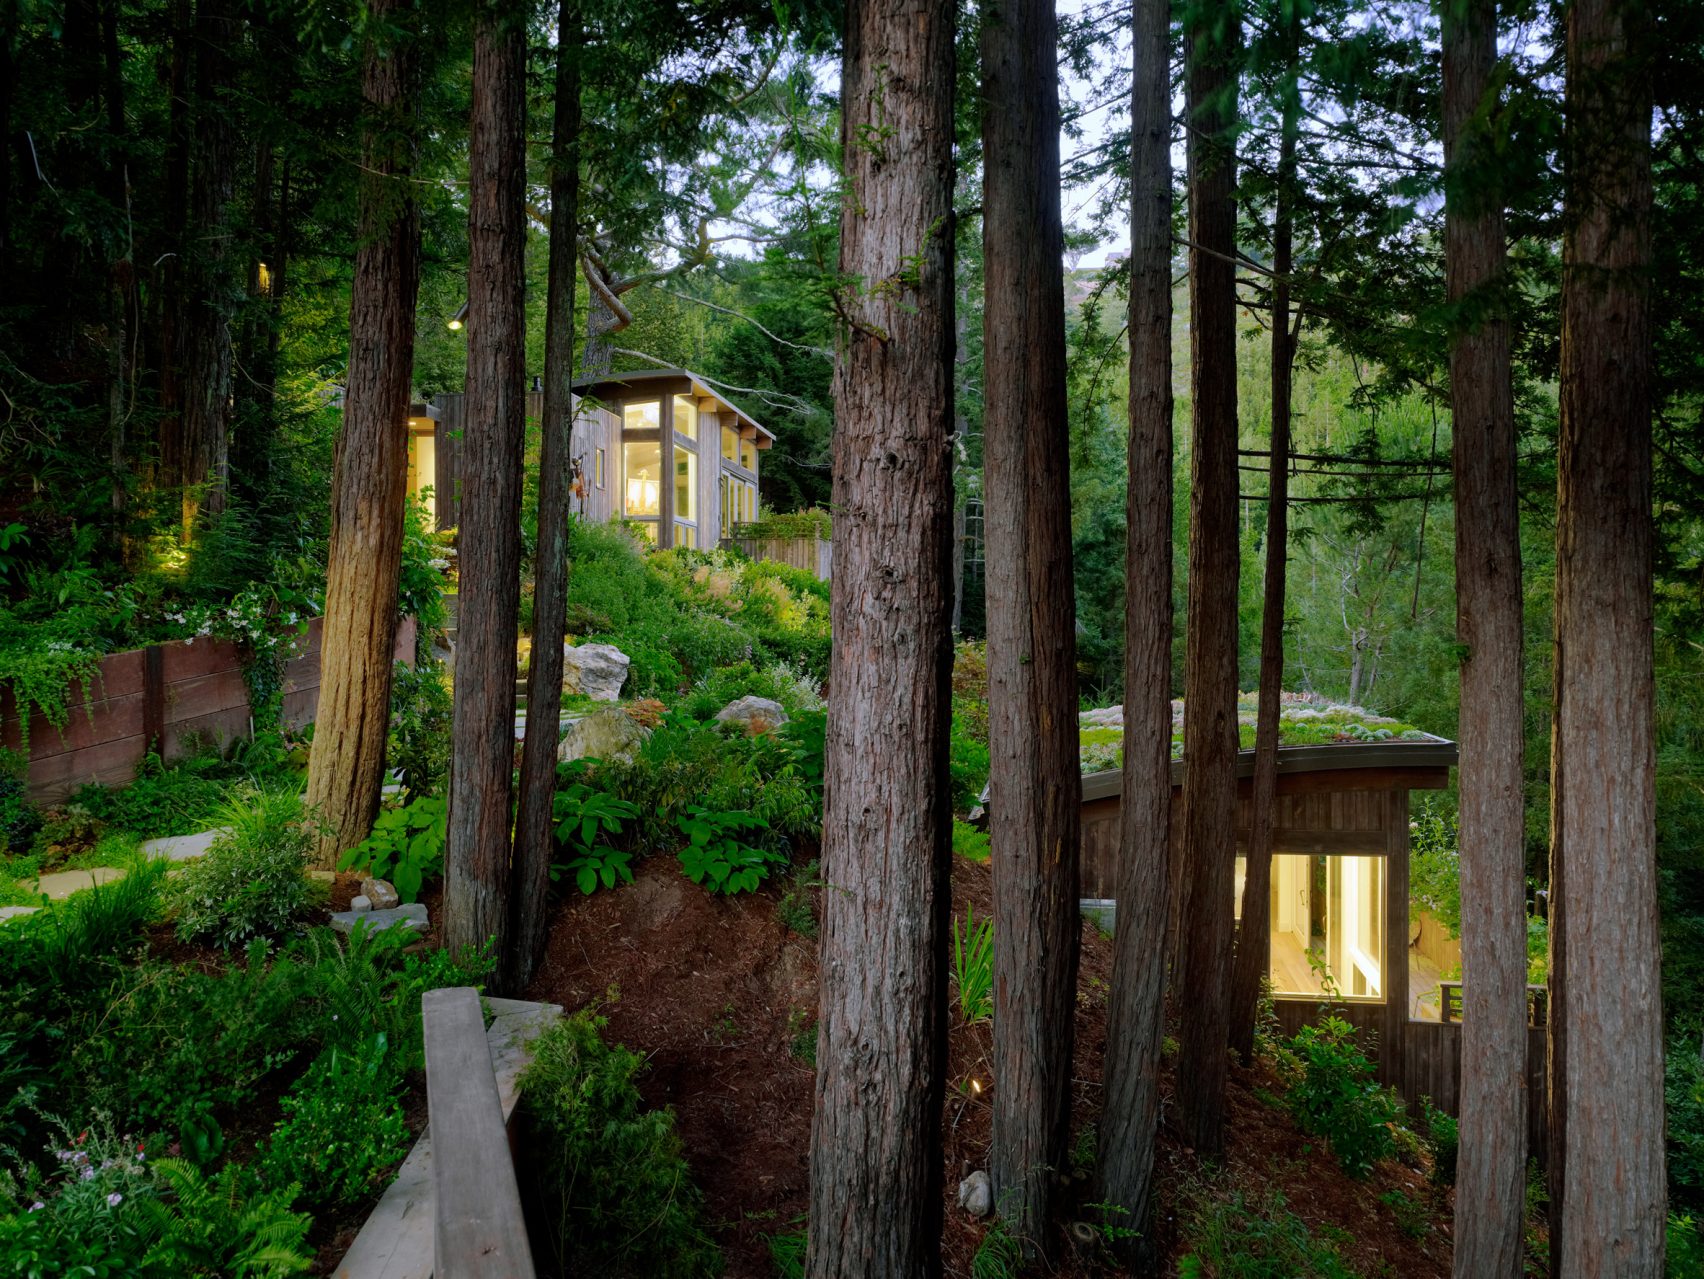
<point x="813" y="554"/>
<point x="171" y="695"/>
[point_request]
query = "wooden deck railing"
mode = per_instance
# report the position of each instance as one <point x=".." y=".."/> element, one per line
<point x="1449" y="1004"/>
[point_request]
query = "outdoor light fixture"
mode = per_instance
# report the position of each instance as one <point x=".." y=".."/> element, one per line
<point x="458" y="318"/>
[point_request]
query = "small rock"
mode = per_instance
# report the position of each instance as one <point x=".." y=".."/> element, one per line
<point x="976" y="1194"/>
<point x="360" y="905"/>
<point x="412" y="916"/>
<point x="608" y="734"/>
<point x="755" y="714"/>
<point x="380" y="893"/>
<point x="596" y="671"/>
<point x="323" y="876"/>
<point x="16" y="912"/>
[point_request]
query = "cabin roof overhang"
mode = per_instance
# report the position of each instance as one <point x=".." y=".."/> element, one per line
<point x="1416" y="765"/>
<point x="616" y="388"/>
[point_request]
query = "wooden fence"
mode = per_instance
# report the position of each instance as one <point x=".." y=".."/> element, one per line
<point x="169" y="696"/>
<point x="814" y="554"/>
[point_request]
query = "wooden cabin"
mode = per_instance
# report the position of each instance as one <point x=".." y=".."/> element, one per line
<point x="660" y="448"/>
<point x="1340" y="905"/>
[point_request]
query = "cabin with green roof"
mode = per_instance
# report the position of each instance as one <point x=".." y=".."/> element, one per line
<point x="1341" y="929"/>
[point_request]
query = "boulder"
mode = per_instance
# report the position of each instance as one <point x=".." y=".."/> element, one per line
<point x="976" y="1194"/>
<point x="380" y="893"/>
<point x="596" y="671"/>
<point x="412" y="916"/>
<point x="360" y="905"/>
<point x="610" y="733"/>
<point x="754" y="714"/>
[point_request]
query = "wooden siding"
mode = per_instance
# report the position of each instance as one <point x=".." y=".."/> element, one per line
<point x="170" y="696"/>
<point x="813" y="554"/>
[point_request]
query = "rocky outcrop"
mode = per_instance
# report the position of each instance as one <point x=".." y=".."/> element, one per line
<point x="754" y="714"/>
<point x="594" y="670"/>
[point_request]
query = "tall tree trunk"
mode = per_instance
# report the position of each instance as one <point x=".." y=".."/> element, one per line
<point x="8" y="77"/>
<point x="168" y="474"/>
<point x="534" y="843"/>
<point x="205" y="344"/>
<point x="120" y="272"/>
<point x="1606" y="1071"/>
<point x="1035" y="792"/>
<point x="602" y="324"/>
<point x="370" y="475"/>
<point x="1130" y="1115"/>
<point x="881" y="1042"/>
<point x="1210" y="658"/>
<point x="477" y="879"/>
<point x="1254" y="944"/>
<point x="1491" y="1173"/>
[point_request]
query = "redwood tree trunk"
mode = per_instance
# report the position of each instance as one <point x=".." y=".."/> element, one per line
<point x="1491" y="1173"/>
<point x="1210" y="659"/>
<point x="1035" y="791"/>
<point x="477" y="875"/>
<point x="876" y="1174"/>
<point x="1606" y="1069"/>
<point x="1253" y="935"/>
<point x="169" y="472"/>
<point x="369" y="478"/>
<point x="204" y="350"/>
<point x="534" y="842"/>
<point x="1130" y="1114"/>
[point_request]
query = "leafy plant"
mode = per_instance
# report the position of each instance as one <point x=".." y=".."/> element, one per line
<point x="1241" y="1237"/>
<point x="1443" y="1138"/>
<point x="787" y="1252"/>
<point x="405" y="846"/>
<point x="342" y="1129"/>
<point x="602" y="865"/>
<point x="616" y="1195"/>
<point x="717" y="857"/>
<point x="419" y="747"/>
<point x="584" y="817"/>
<point x="973" y="967"/>
<point x="968" y="842"/>
<point x="252" y="881"/>
<point x="999" y="1255"/>
<point x="1333" y="1095"/>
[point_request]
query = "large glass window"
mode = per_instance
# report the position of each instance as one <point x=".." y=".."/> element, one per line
<point x="641" y="479"/>
<point x="685" y="485"/>
<point x="730" y="444"/>
<point x="748" y="454"/>
<point x="685" y="417"/>
<point x="1327" y="920"/>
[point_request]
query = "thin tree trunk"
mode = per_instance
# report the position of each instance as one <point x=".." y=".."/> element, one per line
<point x="477" y="876"/>
<point x="1606" y="1080"/>
<point x="602" y="324"/>
<point x="1254" y="944"/>
<point x="369" y="476"/>
<point x="120" y="272"/>
<point x="534" y="842"/>
<point x="1035" y="798"/>
<point x="1210" y="658"/>
<point x="1130" y="1114"/>
<point x="205" y="347"/>
<point x="168" y="474"/>
<point x="8" y="77"/>
<point x="1491" y="1172"/>
<point x="876" y="1173"/>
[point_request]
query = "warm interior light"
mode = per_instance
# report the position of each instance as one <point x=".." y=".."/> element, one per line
<point x="975" y="1086"/>
<point x="263" y="278"/>
<point x="455" y="326"/>
<point x="642" y="495"/>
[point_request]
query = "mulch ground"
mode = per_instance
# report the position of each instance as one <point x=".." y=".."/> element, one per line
<point x="720" y="997"/>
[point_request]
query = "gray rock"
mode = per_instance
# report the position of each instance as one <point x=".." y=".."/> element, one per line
<point x="360" y="905"/>
<point x="609" y="733"/>
<point x="594" y="670"/>
<point x="380" y="893"/>
<point x="976" y="1194"/>
<point x="16" y="912"/>
<point x="754" y="714"/>
<point x="412" y="916"/>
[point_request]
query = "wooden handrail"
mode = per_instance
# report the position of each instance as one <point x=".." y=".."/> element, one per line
<point x="479" y="1231"/>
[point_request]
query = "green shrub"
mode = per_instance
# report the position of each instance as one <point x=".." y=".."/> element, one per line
<point x="973" y="967"/>
<point x="342" y="1130"/>
<point x="1333" y="1095"/>
<point x="419" y="745"/>
<point x="406" y="845"/>
<point x="1684" y="1085"/>
<point x="161" y="801"/>
<point x="1443" y="1138"/>
<point x="717" y="856"/>
<point x="967" y="763"/>
<point x="252" y="881"/>
<point x="19" y="819"/>
<point x="1685" y="1247"/>
<point x="613" y="1190"/>
<point x="420" y="585"/>
<point x="1239" y="1237"/>
<point x="968" y="842"/>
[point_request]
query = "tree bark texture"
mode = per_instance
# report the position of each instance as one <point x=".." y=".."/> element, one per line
<point x="369" y="477"/>
<point x="1135" y="1021"/>
<point x="1253" y="935"/>
<point x="168" y="474"/>
<point x="876" y="1172"/>
<point x="1491" y="1172"/>
<point x="1210" y="659"/>
<point x="1606" y="1066"/>
<point x="534" y="841"/>
<point x="204" y="352"/>
<point x="1035" y="794"/>
<point x="477" y="878"/>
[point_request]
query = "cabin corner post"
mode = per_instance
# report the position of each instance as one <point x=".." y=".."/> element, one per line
<point x="1394" y="1050"/>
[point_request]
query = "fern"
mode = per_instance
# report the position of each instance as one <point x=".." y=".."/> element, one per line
<point x="221" y="1227"/>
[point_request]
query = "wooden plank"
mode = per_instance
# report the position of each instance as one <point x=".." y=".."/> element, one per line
<point x="53" y="778"/>
<point x="88" y="726"/>
<point x="1396" y="936"/>
<point x="480" y="1232"/>
<point x="153" y="700"/>
<point x="1322" y="843"/>
<point x="221" y="728"/>
<point x="204" y="695"/>
<point x="199" y="657"/>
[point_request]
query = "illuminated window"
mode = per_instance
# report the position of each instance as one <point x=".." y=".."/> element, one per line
<point x="641" y="479"/>
<point x="730" y="444"/>
<point x="599" y="466"/>
<point x="748" y="454"/>
<point x="647" y="416"/>
<point x="725" y="505"/>
<point x="1327" y="919"/>
<point x="685" y="417"/>
<point x="685" y="485"/>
